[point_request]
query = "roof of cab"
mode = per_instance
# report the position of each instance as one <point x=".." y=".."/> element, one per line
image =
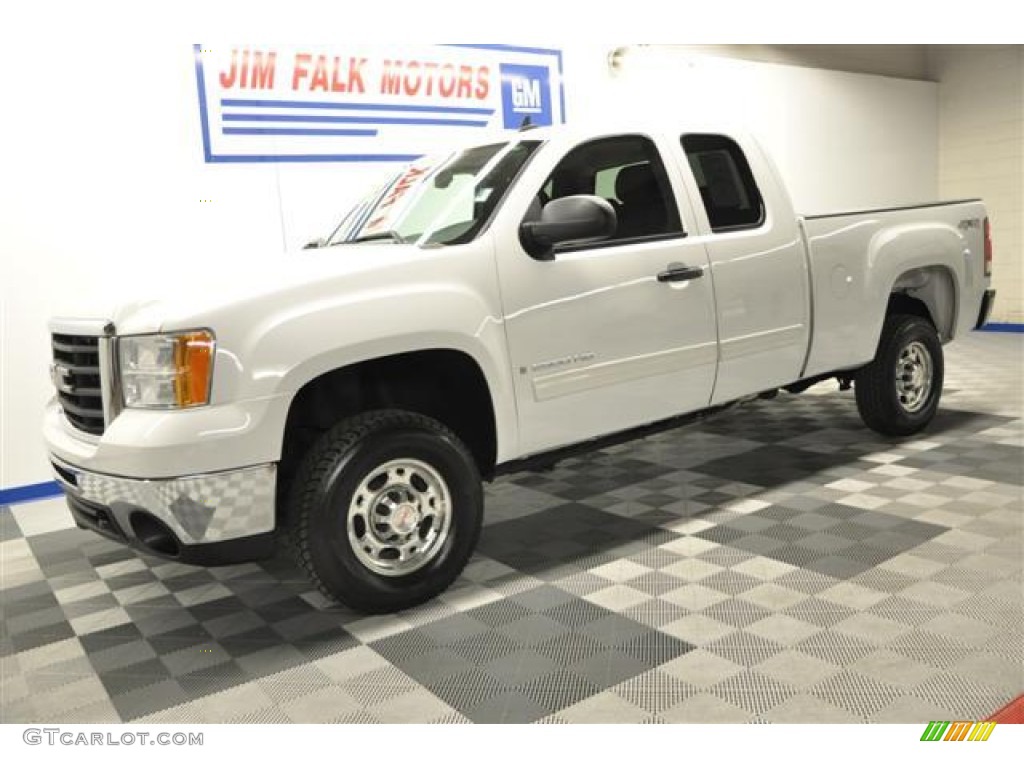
<point x="584" y="130"/>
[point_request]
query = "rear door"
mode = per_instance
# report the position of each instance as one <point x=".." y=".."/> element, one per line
<point x="757" y="254"/>
<point x="609" y="335"/>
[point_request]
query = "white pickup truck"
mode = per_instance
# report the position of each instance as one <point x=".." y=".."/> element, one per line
<point x="550" y="289"/>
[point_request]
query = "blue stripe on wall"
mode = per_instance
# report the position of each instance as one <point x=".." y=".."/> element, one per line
<point x="25" y="493"/>
<point x="354" y="106"/>
<point x="253" y="117"/>
<point x="313" y="158"/>
<point x="300" y="131"/>
<point x="1003" y="327"/>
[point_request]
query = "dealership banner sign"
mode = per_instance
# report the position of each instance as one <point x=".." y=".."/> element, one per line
<point x="363" y="103"/>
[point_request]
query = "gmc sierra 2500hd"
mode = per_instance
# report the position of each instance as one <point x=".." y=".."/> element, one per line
<point x="544" y="290"/>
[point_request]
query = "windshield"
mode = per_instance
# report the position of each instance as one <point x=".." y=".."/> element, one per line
<point x="441" y="200"/>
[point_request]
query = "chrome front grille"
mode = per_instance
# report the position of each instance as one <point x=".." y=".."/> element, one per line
<point x="76" y="375"/>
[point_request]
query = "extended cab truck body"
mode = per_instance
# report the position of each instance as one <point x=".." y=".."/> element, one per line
<point x="533" y="293"/>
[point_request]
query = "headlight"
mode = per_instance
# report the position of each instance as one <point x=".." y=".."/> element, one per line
<point x="166" y="370"/>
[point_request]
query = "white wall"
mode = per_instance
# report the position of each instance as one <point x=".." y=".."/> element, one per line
<point x="841" y="140"/>
<point x="103" y="176"/>
<point x="906" y="61"/>
<point x="981" y="152"/>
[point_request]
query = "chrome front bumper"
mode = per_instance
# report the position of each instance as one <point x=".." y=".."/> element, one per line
<point x="199" y="510"/>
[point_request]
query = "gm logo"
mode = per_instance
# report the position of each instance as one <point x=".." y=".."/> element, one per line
<point x="525" y="92"/>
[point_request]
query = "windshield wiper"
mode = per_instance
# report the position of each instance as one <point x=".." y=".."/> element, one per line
<point x="391" y="235"/>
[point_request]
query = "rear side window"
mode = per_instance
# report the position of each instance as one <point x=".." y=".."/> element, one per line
<point x="726" y="184"/>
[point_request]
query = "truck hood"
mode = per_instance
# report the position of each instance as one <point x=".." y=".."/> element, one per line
<point x="162" y="300"/>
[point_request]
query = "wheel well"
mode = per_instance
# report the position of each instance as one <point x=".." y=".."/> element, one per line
<point x="902" y="304"/>
<point x="927" y="292"/>
<point x="443" y="384"/>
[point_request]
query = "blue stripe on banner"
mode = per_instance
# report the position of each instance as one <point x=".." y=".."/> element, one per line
<point x="25" y="493"/>
<point x="241" y="117"/>
<point x="281" y="103"/>
<point x="300" y="131"/>
<point x="1003" y="327"/>
<point x="313" y="158"/>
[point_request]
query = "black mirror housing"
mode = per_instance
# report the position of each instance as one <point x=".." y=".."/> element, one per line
<point x="576" y="219"/>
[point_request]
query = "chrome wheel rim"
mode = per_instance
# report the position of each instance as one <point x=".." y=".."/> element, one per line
<point x="914" y="372"/>
<point x="399" y="517"/>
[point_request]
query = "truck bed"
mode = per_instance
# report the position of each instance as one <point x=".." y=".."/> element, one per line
<point x="856" y="258"/>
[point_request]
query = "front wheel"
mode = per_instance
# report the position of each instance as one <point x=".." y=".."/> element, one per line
<point x="898" y="392"/>
<point x="385" y="510"/>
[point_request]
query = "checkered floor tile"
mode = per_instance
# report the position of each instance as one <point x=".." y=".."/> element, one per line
<point x="777" y="563"/>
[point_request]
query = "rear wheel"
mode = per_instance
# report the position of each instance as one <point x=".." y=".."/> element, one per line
<point x="898" y="392"/>
<point x="385" y="510"/>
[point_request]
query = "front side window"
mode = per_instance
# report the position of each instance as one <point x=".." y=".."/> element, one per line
<point x="437" y="200"/>
<point x="627" y="172"/>
<point x="726" y="183"/>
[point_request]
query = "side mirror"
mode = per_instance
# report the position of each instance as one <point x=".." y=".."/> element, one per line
<point x="318" y="243"/>
<point x="574" y="219"/>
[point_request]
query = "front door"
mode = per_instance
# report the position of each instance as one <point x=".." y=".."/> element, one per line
<point x="615" y="334"/>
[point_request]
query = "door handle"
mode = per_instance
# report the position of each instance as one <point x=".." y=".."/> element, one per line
<point x="677" y="273"/>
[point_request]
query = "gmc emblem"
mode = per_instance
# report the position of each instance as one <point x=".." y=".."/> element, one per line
<point x="61" y="377"/>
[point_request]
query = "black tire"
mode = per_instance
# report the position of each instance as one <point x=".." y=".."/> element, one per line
<point x="891" y="394"/>
<point x="326" y="519"/>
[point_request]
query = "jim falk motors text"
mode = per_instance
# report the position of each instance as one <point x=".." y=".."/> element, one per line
<point x="255" y="70"/>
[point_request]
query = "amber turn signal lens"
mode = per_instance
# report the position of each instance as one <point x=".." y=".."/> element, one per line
<point x="194" y="361"/>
